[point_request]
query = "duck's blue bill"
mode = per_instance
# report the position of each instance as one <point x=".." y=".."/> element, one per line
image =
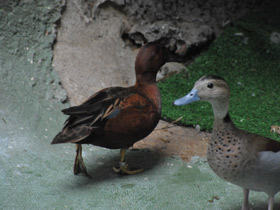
<point x="191" y="97"/>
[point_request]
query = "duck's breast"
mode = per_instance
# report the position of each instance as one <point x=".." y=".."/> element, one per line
<point x="228" y="156"/>
<point x="151" y="92"/>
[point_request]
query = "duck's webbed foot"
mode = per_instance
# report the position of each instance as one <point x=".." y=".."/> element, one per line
<point x="124" y="168"/>
<point x="79" y="165"/>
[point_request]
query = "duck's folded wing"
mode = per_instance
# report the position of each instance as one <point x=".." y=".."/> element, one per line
<point x="270" y="161"/>
<point x="264" y="144"/>
<point x="90" y="116"/>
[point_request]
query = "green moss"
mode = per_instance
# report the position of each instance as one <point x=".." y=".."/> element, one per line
<point x="246" y="58"/>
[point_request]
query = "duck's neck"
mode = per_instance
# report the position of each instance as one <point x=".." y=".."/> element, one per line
<point x="146" y="78"/>
<point x="221" y="114"/>
<point x="223" y="124"/>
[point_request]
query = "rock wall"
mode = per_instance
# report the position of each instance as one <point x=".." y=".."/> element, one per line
<point x="30" y="89"/>
<point x="98" y="39"/>
<point x="91" y="56"/>
<point x="188" y="22"/>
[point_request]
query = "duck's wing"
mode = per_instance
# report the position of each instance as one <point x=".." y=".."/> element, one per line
<point x="264" y="144"/>
<point x="92" y="115"/>
<point x="268" y="151"/>
<point x="272" y="145"/>
<point x="269" y="161"/>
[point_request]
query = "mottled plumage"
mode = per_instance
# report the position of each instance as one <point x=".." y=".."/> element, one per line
<point x="248" y="160"/>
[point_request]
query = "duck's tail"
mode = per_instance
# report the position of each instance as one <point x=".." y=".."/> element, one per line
<point x="72" y="135"/>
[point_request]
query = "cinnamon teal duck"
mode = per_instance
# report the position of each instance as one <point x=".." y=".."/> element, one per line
<point x="117" y="117"/>
<point x="242" y="158"/>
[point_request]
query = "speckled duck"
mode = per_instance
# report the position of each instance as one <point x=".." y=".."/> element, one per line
<point x="242" y="158"/>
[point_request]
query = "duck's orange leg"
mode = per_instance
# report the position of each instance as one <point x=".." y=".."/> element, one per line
<point x="124" y="169"/>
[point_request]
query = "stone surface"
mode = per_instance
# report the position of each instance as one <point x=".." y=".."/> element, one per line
<point x="89" y="57"/>
<point x="173" y="140"/>
<point x="94" y="47"/>
<point x="188" y="24"/>
<point x="30" y="88"/>
<point x="275" y="37"/>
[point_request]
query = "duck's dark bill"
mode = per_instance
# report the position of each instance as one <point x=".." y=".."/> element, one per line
<point x="191" y="97"/>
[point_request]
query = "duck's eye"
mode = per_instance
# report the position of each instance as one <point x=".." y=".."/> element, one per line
<point x="210" y="85"/>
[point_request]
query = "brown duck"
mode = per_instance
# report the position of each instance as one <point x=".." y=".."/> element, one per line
<point x="117" y="117"/>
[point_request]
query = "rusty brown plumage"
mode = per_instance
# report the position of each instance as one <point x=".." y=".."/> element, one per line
<point x="117" y="117"/>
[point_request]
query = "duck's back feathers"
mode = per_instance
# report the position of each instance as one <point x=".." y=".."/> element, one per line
<point x="72" y="135"/>
<point x="273" y="146"/>
<point x="256" y="142"/>
<point x="105" y="113"/>
<point x="264" y="144"/>
<point x="91" y="115"/>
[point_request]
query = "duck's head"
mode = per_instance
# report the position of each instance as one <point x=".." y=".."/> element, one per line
<point x="151" y="57"/>
<point x="213" y="89"/>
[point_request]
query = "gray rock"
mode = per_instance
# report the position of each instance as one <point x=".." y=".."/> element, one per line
<point x="275" y="37"/>
<point x="193" y="23"/>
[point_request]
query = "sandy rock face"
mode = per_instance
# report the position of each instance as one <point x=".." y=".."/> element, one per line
<point x="93" y="48"/>
<point x="90" y="57"/>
